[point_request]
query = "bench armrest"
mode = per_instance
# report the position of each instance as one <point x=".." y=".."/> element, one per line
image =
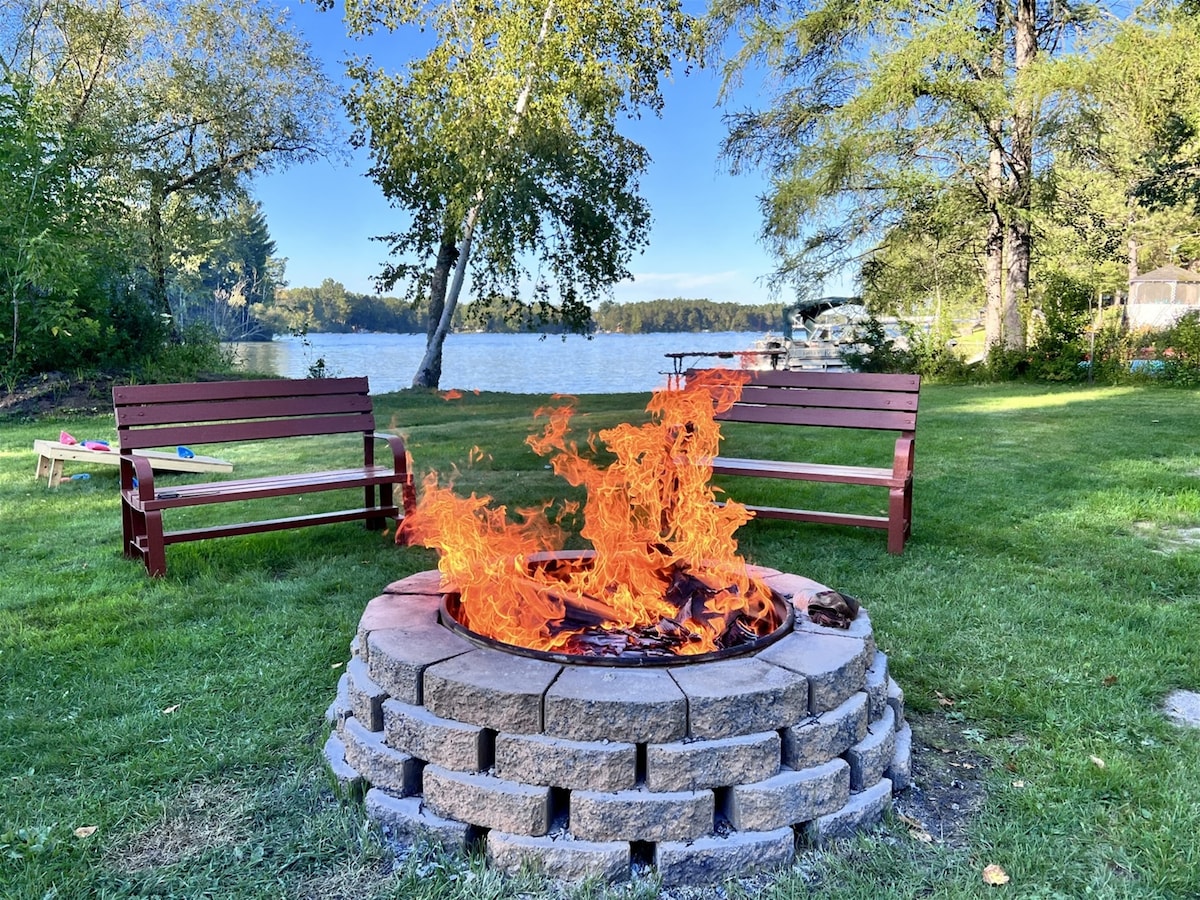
<point x="902" y="463"/>
<point x="401" y="465"/>
<point x="141" y="472"/>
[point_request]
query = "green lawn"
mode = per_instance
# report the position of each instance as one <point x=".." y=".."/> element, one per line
<point x="1047" y="602"/>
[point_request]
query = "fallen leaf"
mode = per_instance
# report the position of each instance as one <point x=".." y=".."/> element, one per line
<point x="336" y="665"/>
<point x="994" y="875"/>
<point x="1098" y="762"/>
<point x="170" y="709"/>
<point x="1109" y="680"/>
<point x="916" y="830"/>
<point x="943" y="700"/>
<point x="86" y="830"/>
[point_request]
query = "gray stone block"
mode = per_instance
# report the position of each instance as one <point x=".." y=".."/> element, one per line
<point x="641" y="815"/>
<point x="427" y="582"/>
<point x="860" y="628"/>
<point x="385" y="768"/>
<point x="899" y="772"/>
<point x="877" y="686"/>
<point x="558" y="762"/>
<point x="347" y="777"/>
<point x="864" y="810"/>
<point x="487" y="801"/>
<point x="559" y="856"/>
<point x="710" y="860"/>
<point x="873" y="754"/>
<point x="408" y="820"/>
<point x="695" y="765"/>
<point x="387" y="612"/>
<point x="789" y="798"/>
<point x="595" y="703"/>
<point x="366" y="697"/>
<point x="490" y="688"/>
<point x="827" y="736"/>
<point x="449" y="744"/>
<point x="835" y="666"/>
<point x="340" y="709"/>
<point x="740" y="696"/>
<point x="398" y="657"/>
<point x="895" y="699"/>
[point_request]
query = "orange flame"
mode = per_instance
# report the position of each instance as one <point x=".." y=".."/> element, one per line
<point x="650" y="516"/>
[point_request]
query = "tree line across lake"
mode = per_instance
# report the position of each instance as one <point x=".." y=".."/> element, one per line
<point x="332" y="308"/>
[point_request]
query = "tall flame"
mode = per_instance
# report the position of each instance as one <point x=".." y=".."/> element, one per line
<point x="650" y="516"/>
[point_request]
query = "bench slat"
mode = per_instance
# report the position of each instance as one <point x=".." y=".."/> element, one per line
<point x="867" y="419"/>
<point x="243" y="528"/>
<point x="778" y="396"/>
<point x="255" y="430"/>
<point x="124" y="395"/>
<point x="144" y="416"/>
<point x="864" y="381"/>
<point x="253" y="489"/>
<point x="772" y="468"/>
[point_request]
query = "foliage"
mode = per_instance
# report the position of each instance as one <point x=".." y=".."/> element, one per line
<point x="679" y="314"/>
<point x="128" y="134"/>
<point x="882" y="108"/>
<point x="930" y="354"/>
<point x="505" y="133"/>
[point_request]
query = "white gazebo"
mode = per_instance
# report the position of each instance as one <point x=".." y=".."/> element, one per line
<point x="1158" y="298"/>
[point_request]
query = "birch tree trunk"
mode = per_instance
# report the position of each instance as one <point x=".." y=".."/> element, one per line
<point x="1017" y="238"/>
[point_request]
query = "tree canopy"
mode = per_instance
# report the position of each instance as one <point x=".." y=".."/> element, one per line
<point x="501" y="147"/>
<point x="131" y="132"/>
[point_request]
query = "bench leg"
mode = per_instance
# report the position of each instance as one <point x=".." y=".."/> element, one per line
<point x="156" y="550"/>
<point x="899" y="519"/>
<point x="377" y="523"/>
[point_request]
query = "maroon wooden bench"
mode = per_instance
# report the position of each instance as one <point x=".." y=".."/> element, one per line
<point x="189" y="415"/>
<point x="871" y="402"/>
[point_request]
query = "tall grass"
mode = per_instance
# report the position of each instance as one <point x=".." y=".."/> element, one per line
<point x="1047" y="602"/>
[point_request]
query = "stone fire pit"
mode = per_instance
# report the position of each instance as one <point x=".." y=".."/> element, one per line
<point x="702" y="770"/>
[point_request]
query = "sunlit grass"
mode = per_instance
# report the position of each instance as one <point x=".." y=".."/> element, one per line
<point x="1051" y="590"/>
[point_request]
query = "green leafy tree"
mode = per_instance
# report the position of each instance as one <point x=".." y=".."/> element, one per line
<point x="178" y="104"/>
<point x="1123" y="191"/>
<point x="878" y="106"/>
<point x="501" y="146"/>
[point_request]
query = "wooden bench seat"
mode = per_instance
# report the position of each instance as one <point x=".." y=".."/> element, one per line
<point x="223" y="412"/>
<point x="866" y="401"/>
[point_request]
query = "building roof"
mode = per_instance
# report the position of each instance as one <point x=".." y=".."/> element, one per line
<point x="1168" y="273"/>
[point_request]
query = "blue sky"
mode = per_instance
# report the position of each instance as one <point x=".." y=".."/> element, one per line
<point x="704" y="241"/>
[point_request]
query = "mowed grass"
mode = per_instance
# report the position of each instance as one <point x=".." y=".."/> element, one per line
<point x="1048" y="601"/>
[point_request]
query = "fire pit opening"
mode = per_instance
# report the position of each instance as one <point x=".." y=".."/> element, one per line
<point x="592" y="639"/>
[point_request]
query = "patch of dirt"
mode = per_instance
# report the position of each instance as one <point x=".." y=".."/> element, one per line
<point x="54" y="392"/>
<point x="948" y="775"/>
<point x="1169" y="540"/>
<point x="206" y="816"/>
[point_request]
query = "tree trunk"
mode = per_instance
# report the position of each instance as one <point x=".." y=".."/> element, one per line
<point x="1017" y="237"/>
<point x="993" y="247"/>
<point x="430" y="371"/>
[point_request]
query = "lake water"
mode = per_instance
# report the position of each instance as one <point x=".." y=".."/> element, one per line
<point x="515" y="363"/>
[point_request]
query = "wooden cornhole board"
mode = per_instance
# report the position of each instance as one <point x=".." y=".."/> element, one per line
<point x="51" y="455"/>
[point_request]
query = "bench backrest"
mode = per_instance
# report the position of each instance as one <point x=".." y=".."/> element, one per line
<point x="162" y="415"/>
<point x="879" y="402"/>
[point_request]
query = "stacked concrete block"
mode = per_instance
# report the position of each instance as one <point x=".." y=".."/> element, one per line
<point x="709" y="769"/>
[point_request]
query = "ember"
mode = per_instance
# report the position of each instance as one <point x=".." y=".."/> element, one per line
<point x="664" y="578"/>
